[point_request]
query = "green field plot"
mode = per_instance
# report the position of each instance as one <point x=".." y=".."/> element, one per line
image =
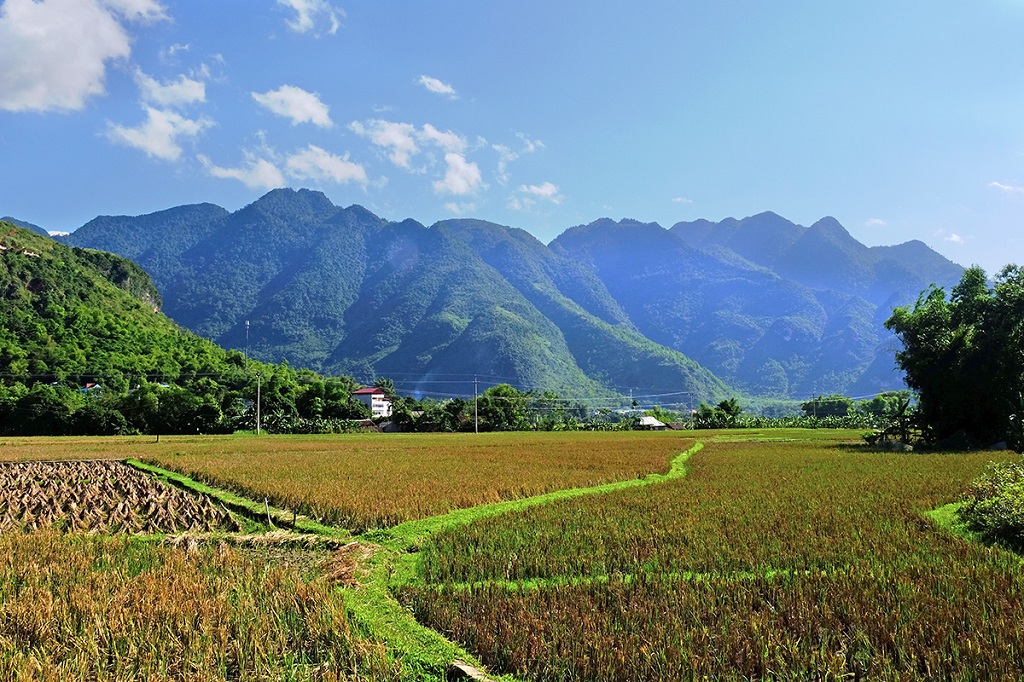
<point x="774" y="558"/>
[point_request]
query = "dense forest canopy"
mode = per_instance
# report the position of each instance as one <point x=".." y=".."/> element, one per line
<point x="963" y="354"/>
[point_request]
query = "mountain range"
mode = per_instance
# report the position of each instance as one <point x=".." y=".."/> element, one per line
<point x="760" y="306"/>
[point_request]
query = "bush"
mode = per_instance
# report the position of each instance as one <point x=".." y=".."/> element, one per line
<point x="994" y="504"/>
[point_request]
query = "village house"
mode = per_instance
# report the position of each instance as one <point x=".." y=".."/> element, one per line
<point x="376" y="399"/>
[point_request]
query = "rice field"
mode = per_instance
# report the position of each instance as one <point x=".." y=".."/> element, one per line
<point x="769" y="560"/>
<point x="364" y="481"/>
<point x="89" y="607"/>
<point x="367" y="481"/>
<point x="780" y="555"/>
<point x="84" y="595"/>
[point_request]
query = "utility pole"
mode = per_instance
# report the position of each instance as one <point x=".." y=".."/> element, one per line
<point x="476" y="407"/>
<point x="247" y="339"/>
<point x="257" y="403"/>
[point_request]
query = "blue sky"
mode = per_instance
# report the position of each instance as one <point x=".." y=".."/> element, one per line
<point x="904" y="120"/>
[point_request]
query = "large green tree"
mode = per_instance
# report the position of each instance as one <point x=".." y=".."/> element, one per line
<point x="964" y="354"/>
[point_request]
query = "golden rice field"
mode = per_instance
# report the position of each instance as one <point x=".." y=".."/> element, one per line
<point x="77" y="607"/>
<point x="376" y="480"/>
<point x="768" y="561"/>
<point x="788" y="555"/>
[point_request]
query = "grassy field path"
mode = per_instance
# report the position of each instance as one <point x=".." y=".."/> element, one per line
<point x="392" y="564"/>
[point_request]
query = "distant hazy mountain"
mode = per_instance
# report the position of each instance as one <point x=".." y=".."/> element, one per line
<point x="856" y="286"/>
<point x="770" y="307"/>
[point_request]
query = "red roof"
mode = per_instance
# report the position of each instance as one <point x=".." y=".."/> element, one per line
<point x="373" y="390"/>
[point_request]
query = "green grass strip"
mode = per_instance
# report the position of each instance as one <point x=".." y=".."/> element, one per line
<point x="946" y="517"/>
<point x="378" y="614"/>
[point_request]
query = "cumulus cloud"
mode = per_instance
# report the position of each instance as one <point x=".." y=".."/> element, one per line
<point x="55" y="52"/>
<point x="876" y="222"/>
<point x="403" y="140"/>
<point x="314" y="163"/>
<point x="309" y="13"/>
<point x="399" y="138"/>
<point x="159" y="134"/>
<point x="255" y="172"/>
<point x="447" y="140"/>
<point x="297" y="104"/>
<point x="681" y="200"/>
<point x="529" y="146"/>
<point x="953" y="238"/>
<point x="461" y="177"/>
<point x="179" y="92"/>
<point x="528" y="196"/>
<point x="264" y="168"/>
<point x="437" y="86"/>
<point x="547" y="190"/>
<point x="1008" y="189"/>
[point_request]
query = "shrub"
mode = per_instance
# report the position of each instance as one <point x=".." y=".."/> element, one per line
<point x="994" y="504"/>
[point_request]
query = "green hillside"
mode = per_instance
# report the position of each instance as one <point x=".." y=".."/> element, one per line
<point x="85" y="349"/>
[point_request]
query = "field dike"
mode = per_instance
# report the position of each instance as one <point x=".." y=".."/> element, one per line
<point x="375" y="564"/>
<point x="394" y="563"/>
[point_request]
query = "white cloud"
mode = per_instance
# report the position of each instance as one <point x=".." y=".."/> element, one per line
<point x="460" y="209"/>
<point x="529" y="146"/>
<point x="546" y="191"/>
<point x="398" y="137"/>
<point x="507" y="155"/>
<point x="404" y="140"/>
<point x="169" y="55"/>
<point x="309" y="12"/>
<point x="876" y="222"/>
<point x="138" y="10"/>
<point x="462" y="177"/>
<point x="54" y="53"/>
<point x="1009" y="189"/>
<point x="520" y="204"/>
<point x="953" y="238"/>
<point x="314" y="163"/>
<point x="297" y="104"/>
<point x="448" y="141"/>
<point x="437" y="86"/>
<point x="158" y="136"/>
<point x="529" y="195"/>
<point x="185" y="90"/>
<point x="681" y="200"/>
<point x="255" y="172"/>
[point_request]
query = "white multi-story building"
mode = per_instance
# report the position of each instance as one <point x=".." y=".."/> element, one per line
<point x="376" y="399"/>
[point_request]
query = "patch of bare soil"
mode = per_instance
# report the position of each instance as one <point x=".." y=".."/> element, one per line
<point x="347" y="566"/>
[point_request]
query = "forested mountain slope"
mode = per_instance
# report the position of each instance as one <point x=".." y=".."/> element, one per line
<point x="767" y="306"/>
<point x="84" y="349"/>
